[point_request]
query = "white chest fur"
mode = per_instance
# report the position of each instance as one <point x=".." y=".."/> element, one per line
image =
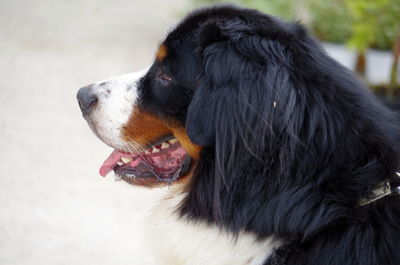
<point x="176" y="241"/>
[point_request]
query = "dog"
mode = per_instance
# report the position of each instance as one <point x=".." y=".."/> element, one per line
<point x="273" y="152"/>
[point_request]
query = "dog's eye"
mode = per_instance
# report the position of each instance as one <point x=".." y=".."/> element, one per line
<point x="165" y="79"/>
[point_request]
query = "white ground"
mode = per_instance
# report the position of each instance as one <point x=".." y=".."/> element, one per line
<point x="54" y="207"/>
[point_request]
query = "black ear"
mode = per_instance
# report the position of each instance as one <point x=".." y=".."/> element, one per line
<point x="201" y="120"/>
<point x="230" y="69"/>
<point x="246" y="108"/>
<point x="238" y="90"/>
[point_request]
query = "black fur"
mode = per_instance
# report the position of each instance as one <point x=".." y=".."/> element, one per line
<point x="291" y="140"/>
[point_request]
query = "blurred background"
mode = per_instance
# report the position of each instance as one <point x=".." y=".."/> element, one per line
<point x="54" y="207"/>
<point x="364" y="35"/>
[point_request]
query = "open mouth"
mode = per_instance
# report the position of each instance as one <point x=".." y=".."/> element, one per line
<point x="163" y="161"/>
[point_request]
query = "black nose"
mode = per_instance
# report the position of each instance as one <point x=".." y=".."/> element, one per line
<point x="86" y="99"/>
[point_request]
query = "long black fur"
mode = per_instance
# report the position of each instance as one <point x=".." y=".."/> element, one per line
<point x="291" y="141"/>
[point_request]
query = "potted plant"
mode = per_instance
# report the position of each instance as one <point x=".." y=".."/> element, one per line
<point x="376" y="24"/>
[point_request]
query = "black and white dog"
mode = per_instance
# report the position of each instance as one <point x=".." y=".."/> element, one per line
<point x="274" y="153"/>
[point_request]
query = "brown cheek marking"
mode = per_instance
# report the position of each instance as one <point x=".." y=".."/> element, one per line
<point x="192" y="149"/>
<point x="143" y="128"/>
<point x="161" y="53"/>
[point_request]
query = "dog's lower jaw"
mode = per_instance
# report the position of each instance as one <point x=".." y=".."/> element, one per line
<point x="174" y="240"/>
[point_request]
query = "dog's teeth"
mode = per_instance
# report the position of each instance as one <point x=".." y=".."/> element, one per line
<point x="164" y="146"/>
<point x="147" y="152"/>
<point x="172" y="141"/>
<point x="126" y="160"/>
<point x="155" y="150"/>
<point x="119" y="163"/>
<point x="117" y="178"/>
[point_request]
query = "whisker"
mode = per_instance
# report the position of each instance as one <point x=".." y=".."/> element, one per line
<point x="140" y="150"/>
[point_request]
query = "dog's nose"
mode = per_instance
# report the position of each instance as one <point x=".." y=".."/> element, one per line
<point x="86" y="99"/>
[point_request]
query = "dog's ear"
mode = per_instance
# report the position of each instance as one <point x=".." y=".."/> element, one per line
<point x="245" y="108"/>
<point x="228" y="74"/>
<point x="206" y="103"/>
<point x="237" y="88"/>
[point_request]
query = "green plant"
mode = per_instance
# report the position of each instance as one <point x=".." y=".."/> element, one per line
<point x="330" y="20"/>
<point x="376" y="23"/>
<point x="361" y="24"/>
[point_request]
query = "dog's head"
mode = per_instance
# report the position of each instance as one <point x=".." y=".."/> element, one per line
<point x="240" y="101"/>
<point x="214" y="77"/>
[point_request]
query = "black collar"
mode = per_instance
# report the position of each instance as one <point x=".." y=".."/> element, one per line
<point x="383" y="189"/>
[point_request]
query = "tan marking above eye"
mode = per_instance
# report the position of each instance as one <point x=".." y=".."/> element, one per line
<point x="161" y="53"/>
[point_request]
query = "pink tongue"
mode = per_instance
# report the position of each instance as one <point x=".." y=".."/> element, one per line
<point x="110" y="162"/>
<point x="164" y="162"/>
